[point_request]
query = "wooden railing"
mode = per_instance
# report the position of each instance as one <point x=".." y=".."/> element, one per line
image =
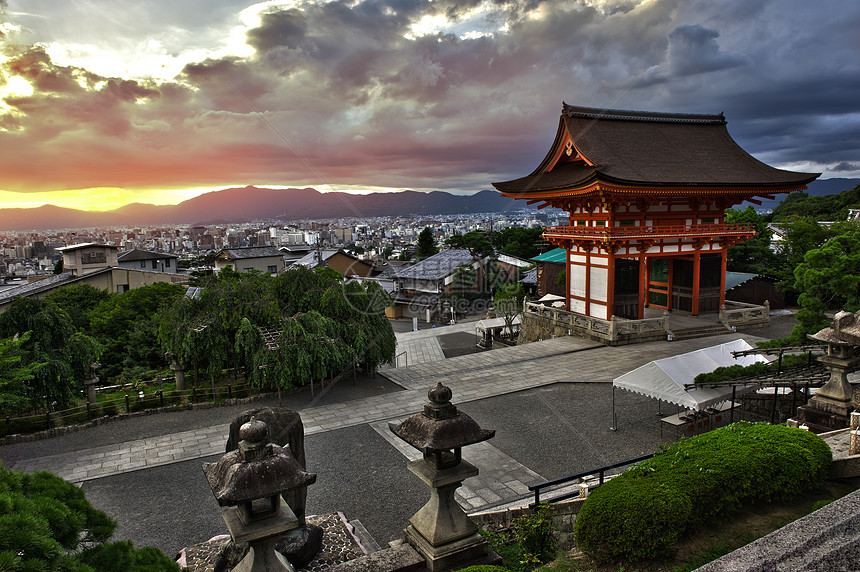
<point x="651" y="232"/>
<point x="743" y="314"/>
<point x="610" y="330"/>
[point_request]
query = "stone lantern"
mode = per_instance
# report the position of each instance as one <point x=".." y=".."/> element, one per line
<point x="829" y="409"/>
<point x="441" y="531"/>
<point x="248" y="483"/>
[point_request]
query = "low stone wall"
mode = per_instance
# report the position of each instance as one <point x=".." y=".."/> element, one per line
<point x="564" y="517"/>
<point x="57" y="431"/>
<point x="761" y="405"/>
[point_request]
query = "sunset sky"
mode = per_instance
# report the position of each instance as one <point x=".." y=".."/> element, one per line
<point x="107" y="102"/>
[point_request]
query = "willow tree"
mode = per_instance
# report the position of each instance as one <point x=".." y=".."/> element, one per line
<point x="323" y="325"/>
<point x="62" y="354"/>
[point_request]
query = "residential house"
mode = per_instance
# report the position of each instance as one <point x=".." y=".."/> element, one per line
<point x="337" y="260"/>
<point x="261" y="258"/>
<point x="421" y="287"/>
<point x="138" y="259"/>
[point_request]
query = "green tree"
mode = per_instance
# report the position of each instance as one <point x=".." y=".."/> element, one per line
<point x="426" y="244"/>
<point x="79" y="301"/>
<point x="477" y="242"/>
<point x="820" y="208"/>
<point x="521" y="242"/>
<point x="15" y="376"/>
<point x="115" y="320"/>
<point x="508" y="301"/>
<point x="323" y="324"/>
<point x="802" y="235"/>
<point x="47" y="524"/>
<point x="828" y="279"/>
<point x="754" y="255"/>
<point x="63" y="355"/>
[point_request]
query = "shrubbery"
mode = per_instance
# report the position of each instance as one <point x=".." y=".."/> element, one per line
<point x="642" y="513"/>
<point x="47" y="524"/>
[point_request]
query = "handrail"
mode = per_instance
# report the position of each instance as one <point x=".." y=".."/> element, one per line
<point x="403" y="353"/>
<point x="657" y="231"/>
<point x="537" y="487"/>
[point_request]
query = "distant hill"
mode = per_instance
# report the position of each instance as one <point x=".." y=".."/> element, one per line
<point x="251" y="203"/>
<point x="818" y="188"/>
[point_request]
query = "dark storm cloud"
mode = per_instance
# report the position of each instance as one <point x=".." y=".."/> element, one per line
<point x="350" y="89"/>
<point x="692" y="50"/>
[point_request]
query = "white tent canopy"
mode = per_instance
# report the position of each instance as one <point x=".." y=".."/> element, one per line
<point x="551" y="298"/>
<point x="496" y="323"/>
<point x="664" y="379"/>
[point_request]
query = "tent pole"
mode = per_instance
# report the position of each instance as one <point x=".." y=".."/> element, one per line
<point x="732" y="413"/>
<point x="614" y="426"/>
<point x="773" y="408"/>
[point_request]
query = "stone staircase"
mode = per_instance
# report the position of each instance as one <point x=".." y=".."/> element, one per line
<point x="678" y="334"/>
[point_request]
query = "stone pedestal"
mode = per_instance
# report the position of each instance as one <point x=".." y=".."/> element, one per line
<point x="440" y="531"/>
<point x="91" y="389"/>
<point x="178" y="371"/>
<point x="829" y="409"/>
<point x="261" y="535"/>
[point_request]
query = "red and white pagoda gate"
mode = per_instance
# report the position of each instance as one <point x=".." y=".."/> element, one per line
<point x="646" y="195"/>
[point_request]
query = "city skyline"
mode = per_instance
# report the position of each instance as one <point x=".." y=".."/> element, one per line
<point x="108" y="103"/>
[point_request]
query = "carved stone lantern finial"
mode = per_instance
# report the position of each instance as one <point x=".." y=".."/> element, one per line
<point x="248" y="483"/>
<point x="441" y="531"/>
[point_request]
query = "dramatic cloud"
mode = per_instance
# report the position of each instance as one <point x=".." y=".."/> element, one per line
<point x="401" y="93"/>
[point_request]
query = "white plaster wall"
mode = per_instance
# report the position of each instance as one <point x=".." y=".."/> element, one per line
<point x="577" y="281"/>
<point x="598" y="283"/>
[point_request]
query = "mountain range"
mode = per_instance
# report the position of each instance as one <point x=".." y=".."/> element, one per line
<point x="247" y="204"/>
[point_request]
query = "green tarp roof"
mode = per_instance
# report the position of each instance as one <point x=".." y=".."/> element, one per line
<point x="556" y="255"/>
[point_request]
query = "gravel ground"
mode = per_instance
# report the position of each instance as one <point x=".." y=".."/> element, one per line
<point x="171" y="507"/>
<point x="554" y="430"/>
<point x="145" y="426"/>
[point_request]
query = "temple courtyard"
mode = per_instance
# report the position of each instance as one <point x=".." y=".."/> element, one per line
<point x="549" y="402"/>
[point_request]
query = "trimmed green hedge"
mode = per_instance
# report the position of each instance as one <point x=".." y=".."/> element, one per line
<point x="692" y="483"/>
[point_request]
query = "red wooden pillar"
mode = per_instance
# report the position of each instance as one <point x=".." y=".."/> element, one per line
<point x="610" y="284"/>
<point x="567" y="278"/>
<point x="643" y="286"/>
<point x="724" y="255"/>
<point x="697" y="268"/>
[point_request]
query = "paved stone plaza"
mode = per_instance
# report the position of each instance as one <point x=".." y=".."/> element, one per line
<point x="549" y="401"/>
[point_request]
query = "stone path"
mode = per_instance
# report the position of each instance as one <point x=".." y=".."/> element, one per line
<point x="471" y="377"/>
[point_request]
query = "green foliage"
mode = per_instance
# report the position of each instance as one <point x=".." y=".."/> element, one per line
<point x="731" y="372"/>
<point x="131" y="315"/>
<point x="521" y="242"/>
<point x="324" y="325"/>
<point x="122" y="556"/>
<point x="535" y="534"/>
<point x="477" y="242"/>
<point x="829" y="278"/>
<point x="753" y="255"/>
<point x="821" y="504"/>
<point x="61" y="354"/>
<point x="79" y="301"/>
<point x="484" y="568"/>
<point x="15" y="376"/>
<point x="426" y="244"/>
<point x="823" y="208"/>
<point x="801" y="236"/>
<point x="693" y="483"/>
<point x="47" y="523"/>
